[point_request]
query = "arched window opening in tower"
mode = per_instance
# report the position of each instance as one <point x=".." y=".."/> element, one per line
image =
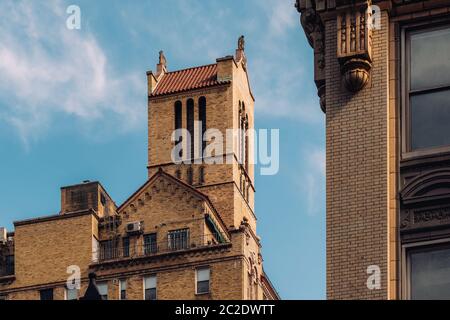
<point x="190" y="126"/>
<point x="178" y="111"/>
<point x="202" y="119"/>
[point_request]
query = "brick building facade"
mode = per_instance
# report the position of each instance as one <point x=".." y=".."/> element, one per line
<point x="382" y="74"/>
<point x="188" y="233"/>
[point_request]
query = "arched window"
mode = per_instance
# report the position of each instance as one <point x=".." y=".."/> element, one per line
<point x="202" y="119"/>
<point x="243" y="135"/>
<point x="178" y="111"/>
<point x="246" y="143"/>
<point x="190" y="126"/>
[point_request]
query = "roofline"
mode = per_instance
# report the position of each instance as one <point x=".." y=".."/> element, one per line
<point x="56" y="217"/>
<point x="199" y="193"/>
<point x="88" y="183"/>
<point x="221" y="83"/>
<point x="271" y="286"/>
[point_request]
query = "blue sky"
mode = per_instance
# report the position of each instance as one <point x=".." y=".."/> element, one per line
<point x="73" y="107"/>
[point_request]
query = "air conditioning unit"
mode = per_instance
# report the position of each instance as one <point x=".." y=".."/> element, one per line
<point x="3" y="235"/>
<point x="134" y="227"/>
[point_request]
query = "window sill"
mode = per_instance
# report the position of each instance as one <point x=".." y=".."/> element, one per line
<point x="430" y="156"/>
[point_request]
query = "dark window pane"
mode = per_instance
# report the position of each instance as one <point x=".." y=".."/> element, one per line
<point x="430" y="59"/>
<point x="123" y="295"/>
<point x="202" y="119"/>
<point x="126" y="247"/>
<point x="430" y="120"/>
<point x="46" y="294"/>
<point x="190" y="126"/>
<point x="150" y="243"/>
<point x="150" y="294"/>
<point x="430" y="274"/>
<point x="202" y="286"/>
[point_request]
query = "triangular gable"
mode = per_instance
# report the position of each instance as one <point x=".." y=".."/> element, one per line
<point x="161" y="174"/>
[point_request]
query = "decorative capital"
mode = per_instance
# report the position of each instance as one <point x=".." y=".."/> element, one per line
<point x="354" y="46"/>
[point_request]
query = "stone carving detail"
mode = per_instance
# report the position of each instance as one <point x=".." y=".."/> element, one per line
<point x="314" y="31"/>
<point x="354" y="47"/>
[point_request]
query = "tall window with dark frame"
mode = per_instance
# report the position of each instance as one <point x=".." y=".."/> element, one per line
<point x="178" y="111"/>
<point x="190" y="126"/>
<point x="123" y="289"/>
<point x="427" y="88"/>
<point x="126" y="247"/>
<point x="203" y="278"/>
<point x="202" y="119"/>
<point x="150" y="243"/>
<point x="150" y="288"/>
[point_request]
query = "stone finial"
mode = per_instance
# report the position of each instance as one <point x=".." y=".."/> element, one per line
<point x="161" y="67"/>
<point x="240" y="54"/>
<point x="241" y="43"/>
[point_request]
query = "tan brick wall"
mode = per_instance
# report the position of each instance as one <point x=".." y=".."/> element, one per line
<point x="44" y="250"/>
<point x="357" y="174"/>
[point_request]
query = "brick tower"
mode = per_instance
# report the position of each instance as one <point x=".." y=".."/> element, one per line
<point x="381" y="69"/>
<point x="188" y="233"/>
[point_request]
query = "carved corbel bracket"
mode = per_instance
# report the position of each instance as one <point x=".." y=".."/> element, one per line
<point x="354" y="46"/>
<point x="315" y="33"/>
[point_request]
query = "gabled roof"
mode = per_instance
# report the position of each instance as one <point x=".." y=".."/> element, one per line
<point x="187" y="79"/>
<point x="162" y="173"/>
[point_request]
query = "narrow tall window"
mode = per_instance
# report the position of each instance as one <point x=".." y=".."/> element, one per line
<point x="246" y="143"/>
<point x="178" y="111"/>
<point x="103" y="290"/>
<point x="46" y="294"/>
<point x="202" y="119"/>
<point x="428" y="88"/>
<point x="123" y="289"/>
<point x="126" y="247"/>
<point x="190" y="126"/>
<point x="203" y="275"/>
<point x="150" y="288"/>
<point x="190" y="175"/>
<point x="150" y="243"/>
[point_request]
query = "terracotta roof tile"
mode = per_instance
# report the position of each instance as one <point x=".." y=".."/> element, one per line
<point x="188" y="79"/>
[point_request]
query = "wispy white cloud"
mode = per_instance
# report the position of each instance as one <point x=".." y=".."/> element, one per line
<point x="46" y="69"/>
<point x="312" y="179"/>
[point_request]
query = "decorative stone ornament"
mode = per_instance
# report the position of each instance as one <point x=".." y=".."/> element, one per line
<point x="354" y="46"/>
<point x="355" y="74"/>
<point x="314" y="30"/>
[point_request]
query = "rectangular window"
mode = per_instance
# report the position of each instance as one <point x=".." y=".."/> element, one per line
<point x="427" y="86"/>
<point x="109" y="250"/>
<point x="71" y="294"/>
<point x="428" y="271"/>
<point x="150" y="243"/>
<point x="178" y="239"/>
<point x="126" y="247"/>
<point x="9" y="265"/>
<point x="150" y="288"/>
<point x="202" y="277"/>
<point x="103" y="289"/>
<point x="46" y="294"/>
<point x="3" y="298"/>
<point x="123" y="289"/>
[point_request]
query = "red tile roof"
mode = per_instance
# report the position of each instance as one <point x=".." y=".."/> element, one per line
<point x="187" y="79"/>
